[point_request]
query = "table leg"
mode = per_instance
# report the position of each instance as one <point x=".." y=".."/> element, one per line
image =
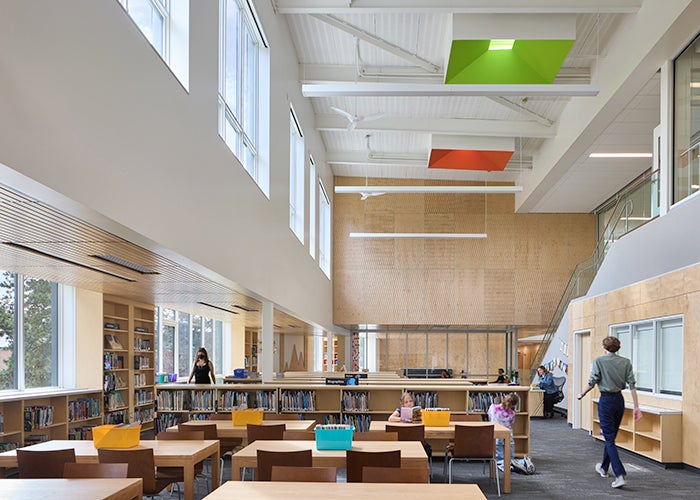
<point x="188" y="471"/>
<point x="506" y="464"/>
<point x="215" y="470"/>
<point x="235" y="469"/>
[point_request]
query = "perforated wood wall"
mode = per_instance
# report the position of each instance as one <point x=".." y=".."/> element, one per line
<point x="515" y="276"/>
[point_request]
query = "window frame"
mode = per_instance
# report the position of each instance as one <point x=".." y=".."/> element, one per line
<point x="324" y="231"/>
<point x="297" y="170"/>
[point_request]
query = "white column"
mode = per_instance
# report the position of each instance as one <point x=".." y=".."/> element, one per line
<point x="662" y="134"/>
<point x="267" y="361"/>
<point x="329" y="351"/>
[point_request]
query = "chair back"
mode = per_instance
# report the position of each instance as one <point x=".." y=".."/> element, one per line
<point x="209" y="430"/>
<point x="559" y="382"/>
<point x="280" y="416"/>
<point x="304" y="474"/>
<point x="408" y="432"/>
<point x="83" y="471"/>
<point x="220" y="416"/>
<point x="394" y="475"/>
<point x="375" y="436"/>
<point x="141" y="464"/>
<point x="180" y="436"/>
<point x="469" y="417"/>
<point x="265" y="432"/>
<point x="299" y="435"/>
<point x="355" y="460"/>
<point x="474" y="441"/>
<point x="267" y="459"/>
<point x="43" y="464"/>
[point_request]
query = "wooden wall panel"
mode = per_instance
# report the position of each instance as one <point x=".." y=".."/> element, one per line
<point x="515" y="276"/>
<point x="667" y="295"/>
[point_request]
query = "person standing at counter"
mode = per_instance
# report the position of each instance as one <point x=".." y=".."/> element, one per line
<point x="550" y="390"/>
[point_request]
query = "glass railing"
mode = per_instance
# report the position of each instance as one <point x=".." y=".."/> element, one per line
<point x="635" y="205"/>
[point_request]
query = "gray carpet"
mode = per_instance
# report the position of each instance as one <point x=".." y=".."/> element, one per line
<point x="565" y="459"/>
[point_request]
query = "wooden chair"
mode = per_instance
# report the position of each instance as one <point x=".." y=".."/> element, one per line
<point x="375" y="436"/>
<point x="141" y="464"/>
<point x="304" y="474"/>
<point x="43" y="464"/>
<point x="81" y="470"/>
<point x="356" y="460"/>
<point x="268" y="459"/>
<point x="394" y="475"/>
<point x="299" y="436"/>
<point x="265" y="432"/>
<point x="473" y="443"/>
<point x="468" y="417"/>
<point x="415" y="432"/>
<point x="280" y="416"/>
<point x="226" y="445"/>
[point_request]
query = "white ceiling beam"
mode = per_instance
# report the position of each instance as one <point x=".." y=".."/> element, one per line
<point x="378" y="42"/>
<point x="417" y="160"/>
<point x="458" y="6"/>
<point x="454" y="126"/>
<point x="425" y="90"/>
<point x="522" y="110"/>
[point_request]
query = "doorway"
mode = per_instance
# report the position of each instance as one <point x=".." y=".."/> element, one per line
<point x="582" y="361"/>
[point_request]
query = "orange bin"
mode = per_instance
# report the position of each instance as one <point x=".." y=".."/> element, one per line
<point x="435" y="418"/>
<point x="112" y="436"/>
<point x="250" y="416"/>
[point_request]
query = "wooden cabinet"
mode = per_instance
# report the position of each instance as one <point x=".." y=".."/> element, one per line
<point x="657" y="435"/>
<point x="129" y="361"/>
<point x="43" y="417"/>
<point x="251" y="352"/>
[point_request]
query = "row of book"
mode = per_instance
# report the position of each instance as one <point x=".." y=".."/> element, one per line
<point x="113" y="382"/>
<point x="173" y="400"/>
<point x="202" y="400"/>
<point x="143" y="396"/>
<point x="298" y="400"/>
<point x="140" y="379"/>
<point x="361" y="422"/>
<point x="37" y="417"/>
<point x="113" y="361"/>
<point x="83" y="408"/>
<point x="142" y="344"/>
<point x="113" y="401"/>
<point x="142" y="362"/>
<point x="165" y="420"/>
<point x="252" y="399"/>
<point x="7" y="446"/>
<point x="36" y="439"/>
<point x="117" y="417"/>
<point x="425" y="399"/>
<point x="79" y="433"/>
<point x="2" y="423"/>
<point x="144" y="414"/>
<point x="480" y="401"/>
<point x="355" y="401"/>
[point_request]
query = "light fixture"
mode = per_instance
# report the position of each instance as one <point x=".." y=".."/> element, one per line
<point x="375" y="190"/>
<point x="501" y="44"/>
<point x="620" y="155"/>
<point x="418" y="235"/>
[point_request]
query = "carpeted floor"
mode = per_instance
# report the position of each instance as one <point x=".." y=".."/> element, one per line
<point x="565" y="459"/>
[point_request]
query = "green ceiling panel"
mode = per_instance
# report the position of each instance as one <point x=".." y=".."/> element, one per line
<point x="530" y="61"/>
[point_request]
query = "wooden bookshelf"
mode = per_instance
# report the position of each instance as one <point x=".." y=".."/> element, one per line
<point x="251" y="352"/>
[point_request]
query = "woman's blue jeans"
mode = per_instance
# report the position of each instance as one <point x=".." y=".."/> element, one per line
<point x="611" y="407"/>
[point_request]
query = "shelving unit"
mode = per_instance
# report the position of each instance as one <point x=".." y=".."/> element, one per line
<point x="355" y="405"/>
<point x="251" y="352"/>
<point x="51" y="415"/>
<point x="657" y="435"/>
<point x="334" y="364"/>
<point x="129" y="361"/>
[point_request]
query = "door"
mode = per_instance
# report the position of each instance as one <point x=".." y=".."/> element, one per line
<point x="582" y="417"/>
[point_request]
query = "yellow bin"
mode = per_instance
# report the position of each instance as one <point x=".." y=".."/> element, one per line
<point x="250" y="416"/>
<point x="435" y="418"/>
<point x="112" y="436"/>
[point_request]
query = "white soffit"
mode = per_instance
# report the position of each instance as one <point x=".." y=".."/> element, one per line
<point x="513" y="26"/>
<point x="440" y="141"/>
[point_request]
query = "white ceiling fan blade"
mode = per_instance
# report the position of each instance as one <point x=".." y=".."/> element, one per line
<point x="375" y="116"/>
<point x="352" y="125"/>
<point x="344" y="113"/>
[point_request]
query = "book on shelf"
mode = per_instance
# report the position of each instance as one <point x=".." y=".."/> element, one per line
<point x="112" y="326"/>
<point x="112" y="342"/>
<point x="141" y="329"/>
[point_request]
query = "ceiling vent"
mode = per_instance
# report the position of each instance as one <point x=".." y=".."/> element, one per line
<point x="217" y="307"/>
<point x="125" y="263"/>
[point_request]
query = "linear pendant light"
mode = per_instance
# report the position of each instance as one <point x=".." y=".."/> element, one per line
<point x="417" y="235"/>
<point x="428" y="189"/>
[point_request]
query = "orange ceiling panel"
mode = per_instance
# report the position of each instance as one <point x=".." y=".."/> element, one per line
<point x="469" y="159"/>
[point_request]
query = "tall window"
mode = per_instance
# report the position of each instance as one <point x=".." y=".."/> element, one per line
<point x="165" y="24"/>
<point x="296" y="177"/>
<point x="324" y="231"/>
<point x="312" y="207"/>
<point x="656" y="350"/>
<point x="180" y="335"/>
<point x="241" y="40"/>
<point x="686" y="127"/>
<point x="29" y="332"/>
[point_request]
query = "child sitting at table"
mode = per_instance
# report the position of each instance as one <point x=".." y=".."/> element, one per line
<point x="504" y="414"/>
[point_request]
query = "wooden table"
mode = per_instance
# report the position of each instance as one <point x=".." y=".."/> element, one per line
<point x="183" y="454"/>
<point x="76" y="489"/>
<point x="323" y="491"/>
<point x="226" y="429"/>
<point x="412" y="453"/>
<point x="448" y="432"/>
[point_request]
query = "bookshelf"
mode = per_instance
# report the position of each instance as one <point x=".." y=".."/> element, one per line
<point x="129" y="361"/>
<point x="46" y="416"/>
<point x="251" y="352"/>
<point x="657" y="435"/>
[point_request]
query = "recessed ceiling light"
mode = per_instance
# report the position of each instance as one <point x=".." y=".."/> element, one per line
<point x="501" y="44"/>
<point x="620" y="155"/>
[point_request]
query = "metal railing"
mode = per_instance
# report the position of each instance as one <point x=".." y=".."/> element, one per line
<point x="624" y="218"/>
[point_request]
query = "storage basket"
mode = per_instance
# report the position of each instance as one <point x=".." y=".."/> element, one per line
<point x="112" y="436"/>
<point x="334" y="437"/>
<point x="436" y="418"/>
<point x="249" y="416"/>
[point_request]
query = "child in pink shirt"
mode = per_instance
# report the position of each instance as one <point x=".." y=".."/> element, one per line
<point x="504" y="414"/>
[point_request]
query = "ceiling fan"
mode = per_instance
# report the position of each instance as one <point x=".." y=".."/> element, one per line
<point x="353" y="120"/>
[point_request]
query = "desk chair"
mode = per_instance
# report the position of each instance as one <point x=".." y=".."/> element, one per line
<point x="141" y="464"/>
<point x="304" y="474"/>
<point x="415" y="432"/>
<point x="73" y="470"/>
<point x="355" y="460"/>
<point x="48" y="464"/>
<point x="268" y="459"/>
<point x="394" y="475"/>
<point x="299" y="435"/>
<point x="473" y="443"/>
<point x="273" y="432"/>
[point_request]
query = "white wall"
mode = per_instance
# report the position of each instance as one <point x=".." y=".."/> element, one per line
<point x="88" y="109"/>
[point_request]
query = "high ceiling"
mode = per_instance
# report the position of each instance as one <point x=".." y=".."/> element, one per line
<point x="344" y="47"/>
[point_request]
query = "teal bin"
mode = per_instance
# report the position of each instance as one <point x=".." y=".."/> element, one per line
<point x="334" y="437"/>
